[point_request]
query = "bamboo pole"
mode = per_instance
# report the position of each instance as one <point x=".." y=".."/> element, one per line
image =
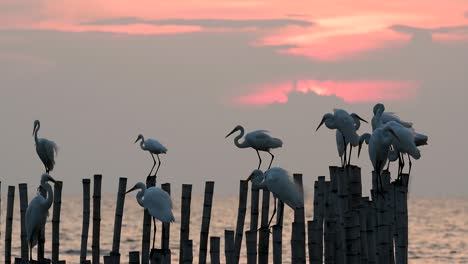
<point x="185" y="217"/>
<point x="298" y="235"/>
<point x="277" y="244"/>
<point x="86" y="215"/>
<point x="165" y="233"/>
<point x="339" y="195"/>
<point x="319" y="215"/>
<point x="134" y="257"/>
<point x="41" y="239"/>
<point x="23" y="193"/>
<point x="243" y="191"/>
<point x="264" y="234"/>
<point x="146" y="232"/>
<point x="254" y="202"/>
<point x="188" y="252"/>
<point x="119" y="209"/>
<point x="251" y="245"/>
<point x="315" y="239"/>
<point x="214" y="250"/>
<point x="229" y="246"/>
<point x="352" y="231"/>
<point x="353" y="174"/>
<point x="363" y="211"/>
<point x="330" y="241"/>
<point x="371" y="231"/>
<point x="56" y="221"/>
<point x="206" y="218"/>
<point x="401" y="223"/>
<point x="96" y="219"/>
<point x="9" y="223"/>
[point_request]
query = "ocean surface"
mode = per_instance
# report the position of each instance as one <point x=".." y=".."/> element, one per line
<point x="438" y="228"/>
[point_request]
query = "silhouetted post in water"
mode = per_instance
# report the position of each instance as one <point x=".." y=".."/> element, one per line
<point x="114" y="256"/>
<point x="372" y="230"/>
<point x="350" y="182"/>
<point x="401" y="220"/>
<point x="185" y="218"/>
<point x="339" y="194"/>
<point x="146" y="235"/>
<point x="188" y="252"/>
<point x="96" y="218"/>
<point x="86" y="215"/>
<point x="23" y="193"/>
<point x="277" y="244"/>
<point x="353" y="177"/>
<point x="252" y="239"/>
<point x="165" y="233"/>
<point x="315" y="238"/>
<point x="363" y="211"/>
<point x="329" y="229"/>
<point x="243" y="190"/>
<point x="251" y="245"/>
<point x="56" y="221"/>
<point x="264" y="234"/>
<point x="382" y="224"/>
<point x="229" y="246"/>
<point x="352" y="232"/>
<point x="214" y="250"/>
<point x="41" y="239"/>
<point x="317" y="228"/>
<point x="298" y="228"/>
<point x="205" y="227"/>
<point x="134" y="257"/>
<point x="9" y="223"/>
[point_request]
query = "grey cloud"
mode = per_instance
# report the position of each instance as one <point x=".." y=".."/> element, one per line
<point x="417" y="30"/>
<point x="207" y="23"/>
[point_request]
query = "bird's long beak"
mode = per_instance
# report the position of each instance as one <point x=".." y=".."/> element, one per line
<point x="394" y="134"/>
<point x="51" y="179"/>
<point x="137" y="140"/>
<point x="131" y="190"/>
<point x="321" y="123"/>
<point x="230" y="133"/>
<point x="360" y="118"/>
<point x="250" y="177"/>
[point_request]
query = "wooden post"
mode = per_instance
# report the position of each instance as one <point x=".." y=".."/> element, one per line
<point x="319" y="215"/>
<point x="353" y="174"/>
<point x="251" y="245"/>
<point x="243" y="190"/>
<point x="23" y="193"/>
<point x="146" y="233"/>
<point x="298" y="254"/>
<point x="56" y="221"/>
<point x="205" y="227"/>
<point x="229" y="246"/>
<point x="254" y="202"/>
<point x="352" y="232"/>
<point x="315" y="230"/>
<point x="264" y="234"/>
<point x="401" y="223"/>
<point x="9" y="223"/>
<point x="119" y="208"/>
<point x="371" y="231"/>
<point x="363" y="211"/>
<point x="86" y="215"/>
<point x="340" y="197"/>
<point x="330" y="241"/>
<point x="214" y="250"/>
<point x="382" y="224"/>
<point x="134" y="257"/>
<point x="165" y="233"/>
<point x="185" y="217"/>
<point x="277" y="244"/>
<point x="188" y="252"/>
<point x="96" y="219"/>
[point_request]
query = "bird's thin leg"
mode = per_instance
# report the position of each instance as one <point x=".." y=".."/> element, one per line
<point x="274" y="212"/>
<point x="345" y="150"/>
<point x="410" y="164"/>
<point x="402" y="163"/>
<point x="159" y="164"/>
<point x="154" y="231"/>
<point x="350" y="151"/>
<point x="154" y="164"/>
<point x="271" y="161"/>
<point x="47" y="170"/>
<point x="259" y="159"/>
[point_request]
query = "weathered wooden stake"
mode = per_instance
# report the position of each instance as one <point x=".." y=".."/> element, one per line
<point x="134" y="257"/>
<point x="251" y="245"/>
<point x="277" y="244"/>
<point x="188" y="252"/>
<point x="298" y="253"/>
<point x="363" y="211"/>
<point x="264" y="234"/>
<point x="319" y="216"/>
<point x="96" y="219"/>
<point x="119" y="209"/>
<point x="23" y="193"/>
<point x="86" y="215"/>
<point x="352" y="232"/>
<point x="340" y="197"/>
<point x="146" y="233"/>
<point x="229" y="246"/>
<point x="9" y="223"/>
<point x="205" y="227"/>
<point x="243" y="190"/>
<point x="401" y="223"/>
<point x="214" y="250"/>
<point x="315" y="231"/>
<point x="185" y="218"/>
<point x="56" y="221"/>
<point x="166" y="231"/>
<point x="372" y="231"/>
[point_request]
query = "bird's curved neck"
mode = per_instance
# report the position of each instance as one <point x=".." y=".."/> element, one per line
<point x="142" y="143"/>
<point x="50" y="195"/>
<point x="238" y="144"/>
<point x="140" y="196"/>
<point x="35" y="132"/>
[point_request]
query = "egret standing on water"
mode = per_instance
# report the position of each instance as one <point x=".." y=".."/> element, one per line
<point x="46" y="149"/>
<point x="153" y="147"/>
<point x="156" y="201"/>
<point x="279" y="183"/>
<point x="258" y="140"/>
<point x="37" y="212"/>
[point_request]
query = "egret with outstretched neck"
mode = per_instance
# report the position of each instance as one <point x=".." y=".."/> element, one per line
<point x="37" y="212"/>
<point x="156" y="201"/>
<point x="46" y="149"/>
<point x="154" y="148"/>
<point x="258" y="140"/>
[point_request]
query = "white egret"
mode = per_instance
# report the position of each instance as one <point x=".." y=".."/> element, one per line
<point x="344" y="122"/>
<point x="258" y="140"/>
<point x="381" y="117"/>
<point x="37" y="212"/>
<point x="153" y="147"/>
<point x="341" y="145"/>
<point x="156" y="201"/>
<point x="280" y="184"/>
<point x="46" y="149"/>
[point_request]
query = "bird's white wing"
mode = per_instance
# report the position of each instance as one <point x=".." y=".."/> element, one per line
<point x="280" y="183"/>
<point x="159" y="204"/>
<point x="47" y="149"/>
<point x="155" y="146"/>
<point x="259" y="139"/>
<point x="345" y="123"/>
<point x="390" y="116"/>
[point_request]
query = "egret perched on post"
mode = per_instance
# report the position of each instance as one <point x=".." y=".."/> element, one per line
<point x="153" y="147"/>
<point x="46" y="149"/>
<point x="341" y="144"/>
<point x="258" y="140"/>
<point x="37" y="212"/>
<point x="279" y="183"/>
<point x="344" y="122"/>
<point x="156" y="201"/>
<point x="381" y="117"/>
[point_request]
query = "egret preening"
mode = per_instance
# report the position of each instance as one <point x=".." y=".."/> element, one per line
<point x="280" y="184"/>
<point x="46" y="149"/>
<point x="258" y="140"/>
<point x="345" y="123"/>
<point x="156" y="201"/>
<point x="37" y="212"/>
<point x="153" y="147"/>
<point x="381" y="117"/>
<point x="341" y="144"/>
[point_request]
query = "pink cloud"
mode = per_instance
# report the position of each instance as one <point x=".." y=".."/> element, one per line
<point x="350" y="91"/>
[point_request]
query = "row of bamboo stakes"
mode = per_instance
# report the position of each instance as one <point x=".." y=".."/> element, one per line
<point x="346" y="227"/>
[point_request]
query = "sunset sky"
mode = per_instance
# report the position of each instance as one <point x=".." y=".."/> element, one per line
<point x="99" y="72"/>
